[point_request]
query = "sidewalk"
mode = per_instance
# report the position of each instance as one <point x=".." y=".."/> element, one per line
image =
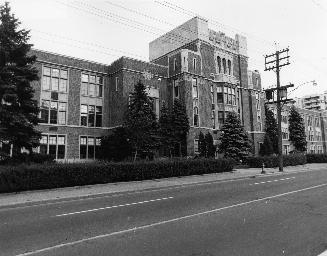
<point x="70" y="193"/>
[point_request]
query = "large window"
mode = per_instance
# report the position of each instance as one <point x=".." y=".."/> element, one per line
<point x="229" y="64"/>
<point x="53" y="144"/>
<point x="220" y="97"/>
<point x="91" y="115"/>
<point x="89" y="147"/>
<point x="176" y="88"/>
<point x="54" y="79"/>
<point x="92" y="85"/>
<point x="53" y="112"/>
<point x="195" y="93"/>
<point x="224" y="66"/>
<point x="219" y="64"/>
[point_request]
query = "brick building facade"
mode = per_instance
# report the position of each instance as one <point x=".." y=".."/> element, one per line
<point x="81" y="101"/>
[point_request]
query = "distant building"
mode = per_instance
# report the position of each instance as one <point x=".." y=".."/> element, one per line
<point x="313" y="101"/>
<point x="315" y="123"/>
<point x="81" y="101"/>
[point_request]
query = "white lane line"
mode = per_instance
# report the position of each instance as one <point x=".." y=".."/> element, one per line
<point x="269" y="181"/>
<point x="164" y="222"/>
<point x="113" y="206"/>
<point x="323" y="254"/>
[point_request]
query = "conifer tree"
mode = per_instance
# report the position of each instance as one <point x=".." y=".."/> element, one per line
<point x="181" y="125"/>
<point x="234" y="140"/>
<point x="210" y="147"/>
<point x="141" y="123"/>
<point x="297" y="130"/>
<point x="267" y="147"/>
<point x="166" y="131"/>
<point x="271" y="129"/>
<point x="202" y="145"/>
<point x="18" y="110"/>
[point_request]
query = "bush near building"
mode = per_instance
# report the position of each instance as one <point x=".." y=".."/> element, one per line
<point x="33" y="177"/>
<point x="272" y="161"/>
<point x="317" y="158"/>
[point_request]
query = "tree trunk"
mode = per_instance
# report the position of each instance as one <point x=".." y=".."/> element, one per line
<point x="135" y="155"/>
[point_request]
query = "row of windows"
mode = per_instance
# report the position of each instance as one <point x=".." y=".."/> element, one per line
<point x="92" y="85"/>
<point x="89" y="147"/>
<point x="224" y="66"/>
<point x="91" y="115"/>
<point x="54" y="79"/>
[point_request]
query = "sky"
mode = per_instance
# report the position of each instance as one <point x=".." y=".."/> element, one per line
<point x="102" y="31"/>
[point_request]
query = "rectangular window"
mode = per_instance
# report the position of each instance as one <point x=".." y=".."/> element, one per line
<point x="54" y="145"/>
<point x="45" y="107"/>
<point x="46" y="81"/>
<point x="54" y="79"/>
<point x="175" y="64"/>
<point x="84" y="113"/>
<point x="98" y="117"/>
<point x="53" y="112"/>
<point x="54" y="84"/>
<point x="116" y="84"/>
<point x="98" y="90"/>
<point x="55" y="72"/>
<point x="89" y="147"/>
<point x="91" y="118"/>
<point x="91" y="85"/>
<point x="84" y="88"/>
<point x="63" y="85"/>
<point x="92" y="90"/>
<point x="196" y="146"/>
<point x="176" y="89"/>
<point x="194" y="64"/>
<point x="62" y="113"/>
<point x="220" y="98"/>
<point x="195" y="91"/>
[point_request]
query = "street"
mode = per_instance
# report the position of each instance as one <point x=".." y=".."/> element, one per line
<point x="270" y="215"/>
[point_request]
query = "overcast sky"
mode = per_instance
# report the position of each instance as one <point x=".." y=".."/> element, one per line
<point x="102" y="31"/>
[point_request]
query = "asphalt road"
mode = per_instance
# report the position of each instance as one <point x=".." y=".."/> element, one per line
<point x="271" y="215"/>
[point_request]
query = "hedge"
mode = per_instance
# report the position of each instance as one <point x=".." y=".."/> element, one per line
<point x="272" y="161"/>
<point x="32" y="177"/>
<point x="317" y="158"/>
<point x="34" y="158"/>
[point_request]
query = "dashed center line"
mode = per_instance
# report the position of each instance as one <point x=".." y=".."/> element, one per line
<point x="114" y="206"/>
<point x="269" y="181"/>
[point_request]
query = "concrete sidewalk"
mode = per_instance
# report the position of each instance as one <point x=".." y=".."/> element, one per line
<point x="71" y="193"/>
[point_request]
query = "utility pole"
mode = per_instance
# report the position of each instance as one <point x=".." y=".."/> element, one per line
<point x="274" y="62"/>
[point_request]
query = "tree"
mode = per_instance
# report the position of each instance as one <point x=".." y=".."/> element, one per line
<point x="297" y="130"/>
<point x="166" y="131"/>
<point x="202" y="145"/>
<point x="181" y="125"/>
<point x="116" y="146"/>
<point x="18" y="110"/>
<point x="266" y="148"/>
<point x="210" y="147"/>
<point x="140" y="122"/>
<point x="271" y="129"/>
<point x="234" y="139"/>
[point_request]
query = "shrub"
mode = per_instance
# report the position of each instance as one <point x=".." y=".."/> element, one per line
<point x="27" y="159"/>
<point x="31" y="177"/>
<point x="317" y="158"/>
<point x="272" y="161"/>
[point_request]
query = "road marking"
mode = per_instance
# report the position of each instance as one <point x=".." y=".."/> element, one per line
<point x="323" y="254"/>
<point x="165" y="222"/>
<point x="269" y="181"/>
<point x="113" y="206"/>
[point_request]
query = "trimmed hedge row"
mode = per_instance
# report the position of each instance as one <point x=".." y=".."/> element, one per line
<point x="34" y="158"/>
<point x="317" y="158"/>
<point x="272" y="161"/>
<point x="32" y="177"/>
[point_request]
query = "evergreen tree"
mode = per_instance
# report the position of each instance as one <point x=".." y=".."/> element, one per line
<point x="297" y="130"/>
<point x="116" y="146"/>
<point x="202" y="145"/>
<point x="181" y="125"/>
<point x="140" y="122"/>
<point x="267" y="147"/>
<point x="166" y="130"/>
<point x="210" y="147"/>
<point x="18" y="110"/>
<point x="271" y="129"/>
<point x="234" y="140"/>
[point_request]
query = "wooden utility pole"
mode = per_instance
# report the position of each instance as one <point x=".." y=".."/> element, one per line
<point x="274" y="62"/>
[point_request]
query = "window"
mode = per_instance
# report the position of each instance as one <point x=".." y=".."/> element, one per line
<point x="286" y="149"/>
<point x="317" y="122"/>
<point x="221" y="118"/>
<point x="62" y="113"/>
<point x="220" y="98"/>
<point x="224" y="66"/>
<point x="175" y="64"/>
<point x="89" y="147"/>
<point x="196" y="116"/>
<point x="229" y="63"/>
<point x="117" y="83"/>
<point x="194" y="64"/>
<point x="91" y="116"/>
<point x="195" y="90"/>
<point x="196" y="146"/>
<point x="285" y="133"/>
<point x="176" y="89"/>
<point x="53" y="112"/>
<point x="213" y="119"/>
<point x="45" y="106"/>
<point x="54" y="79"/>
<point x="92" y="85"/>
<point x="54" y="145"/>
<point x="219" y="64"/>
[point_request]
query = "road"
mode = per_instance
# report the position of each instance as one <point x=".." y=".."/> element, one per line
<point x="270" y="215"/>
